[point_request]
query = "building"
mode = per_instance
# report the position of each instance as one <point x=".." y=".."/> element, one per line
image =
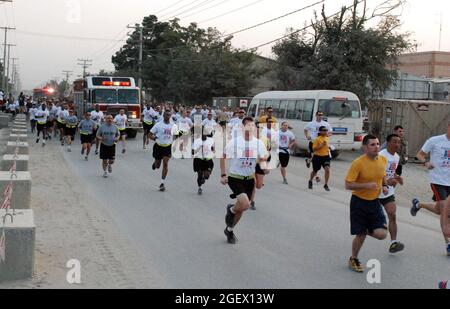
<point x="432" y="64"/>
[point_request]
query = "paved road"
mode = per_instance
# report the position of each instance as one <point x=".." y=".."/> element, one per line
<point x="295" y="239"/>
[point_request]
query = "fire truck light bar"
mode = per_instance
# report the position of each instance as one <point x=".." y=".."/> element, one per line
<point x="123" y="84"/>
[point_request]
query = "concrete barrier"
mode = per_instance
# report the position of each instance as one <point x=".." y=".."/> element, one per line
<point x="20" y="236"/>
<point x="19" y="123"/>
<point x="21" y="195"/>
<point x="21" y="162"/>
<point x="19" y="131"/>
<point x="19" y="127"/>
<point x="23" y="148"/>
<point x="4" y="121"/>
<point x="20" y="137"/>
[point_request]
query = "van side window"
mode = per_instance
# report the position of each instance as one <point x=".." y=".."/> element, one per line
<point x="276" y="108"/>
<point x="262" y="107"/>
<point x="252" y="109"/>
<point x="308" y="110"/>
<point x="281" y="110"/>
<point x="291" y="112"/>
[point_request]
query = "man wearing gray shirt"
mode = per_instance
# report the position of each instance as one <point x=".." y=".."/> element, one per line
<point x="108" y="135"/>
<point x="87" y="127"/>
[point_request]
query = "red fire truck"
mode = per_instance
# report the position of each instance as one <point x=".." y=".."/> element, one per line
<point x="112" y="94"/>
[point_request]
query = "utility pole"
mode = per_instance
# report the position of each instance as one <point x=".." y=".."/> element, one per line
<point x="4" y="52"/>
<point x="85" y="63"/>
<point x="7" y="66"/>
<point x="68" y="74"/>
<point x="141" y="47"/>
<point x="12" y="72"/>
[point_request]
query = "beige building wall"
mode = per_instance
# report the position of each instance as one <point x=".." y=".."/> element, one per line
<point x="429" y="64"/>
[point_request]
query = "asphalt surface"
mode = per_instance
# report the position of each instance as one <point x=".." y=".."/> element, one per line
<point x="295" y="239"/>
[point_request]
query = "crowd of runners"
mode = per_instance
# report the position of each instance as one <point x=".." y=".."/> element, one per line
<point x="249" y="149"/>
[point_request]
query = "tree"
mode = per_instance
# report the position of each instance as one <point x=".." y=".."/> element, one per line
<point x="186" y="64"/>
<point x="342" y="53"/>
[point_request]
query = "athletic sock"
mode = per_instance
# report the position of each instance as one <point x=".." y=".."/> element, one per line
<point x="229" y="229"/>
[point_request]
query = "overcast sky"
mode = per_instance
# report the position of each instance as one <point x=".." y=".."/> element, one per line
<point x="52" y="34"/>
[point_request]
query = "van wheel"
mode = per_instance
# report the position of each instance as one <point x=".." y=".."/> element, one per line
<point x="131" y="133"/>
<point x="335" y="154"/>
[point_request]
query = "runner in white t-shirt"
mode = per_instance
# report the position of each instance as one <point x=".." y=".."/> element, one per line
<point x="41" y="116"/>
<point x="209" y="123"/>
<point x="439" y="174"/>
<point x="99" y="118"/>
<point x="203" y="159"/>
<point x="184" y="127"/>
<point x="121" y="121"/>
<point x="243" y="153"/>
<point x="286" y="142"/>
<point x="162" y="133"/>
<point x="393" y="144"/>
<point x="148" y="116"/>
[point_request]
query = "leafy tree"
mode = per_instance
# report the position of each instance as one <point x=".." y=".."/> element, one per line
<point x="342" y="53"/>
<point x="186" y="64"/>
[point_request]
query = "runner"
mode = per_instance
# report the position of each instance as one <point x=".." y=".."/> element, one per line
<point x="108" y="135"/>
<point x="87" y="128"/>
<point x="41" y="116"/>
<point x="321" y="158"/>
<point x="70" y="129"/>
<point x="243" y="153"/>
<point x="388" y="200"/>
<point x="184" y="127"/>
<point x="33" y="120"/>
<point x="209" y="123"/>
<point x="203" y="157"/>
<point x="286" y="142"/>
<point x="268" y="114"/>
<point x="148" y="116"/>
<point x="61" y="122"/>
<point x="98" y="117"/>
<point x="162" y="133"/>
<point x="439" y="174"/>
<point x="366" y="178"/>
<point x="403" y="151"/>
<point x="121" y="121"/>
<point x="312" y="131"/>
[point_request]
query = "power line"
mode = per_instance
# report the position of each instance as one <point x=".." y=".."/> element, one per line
<point x="230" y="12"/>
<point x="168" y="7"/>
<point x="60" y="36"/>
<point x="85" y="63"/>
<point x="205" y="9"/>
<point x="192" y="8"/>
<point x="180" y="8"/>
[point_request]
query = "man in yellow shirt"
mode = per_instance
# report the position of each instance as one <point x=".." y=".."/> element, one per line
<point x="268" y="115"/>
<point x="321" y="148"/>
<point x="367" y="178"/>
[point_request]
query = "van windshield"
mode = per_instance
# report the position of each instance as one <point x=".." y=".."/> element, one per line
<point x="340" y="109"/>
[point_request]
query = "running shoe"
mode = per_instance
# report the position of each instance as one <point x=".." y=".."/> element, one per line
<point x="86" y="158"/>
<point x="153" y="166"/>
<point x="448" y="249"/>
<point x="145" y="147"/>
<point x="200" y="191"/>
<point x="162" y="188"/>
<point x="415" y="207"/>
<point x="37" y="141"/>
<point x="326" y="188"/>
<point x="310" y="185"/>
<point x="252" y="206"/>
<point x="229" y="218"/>
<point x="308" y="163"/>
<point x="69" y="150"/>
<point x="124" y="150"/>
<point x="396" y="247"/>
<point x="110" y="168"/>
<point x="62" y="143"/>
<point x="285" y="182"/>
<point x="82" y="151"/>
<point x="355" y="265"/>
<point x="105" y="174"/>
<point x="96" y="151"/>
<point x="43" y="143"/>
<point x="231" y="239"/>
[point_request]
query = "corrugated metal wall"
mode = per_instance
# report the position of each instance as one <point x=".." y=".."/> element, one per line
<point x="420" y="119"/>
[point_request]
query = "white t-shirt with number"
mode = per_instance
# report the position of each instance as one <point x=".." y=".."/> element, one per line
<point x="393" y="161"/>
<point x="121" y="121"/>
<point x="97" y="117"/>
<point x="207" y="151"/>
<point x="164" y="132"/>
<point x="243" y="155"/>
<point x="184" y="124"/>
<point x="439" y="149"/>
<point x="314" y="126"/>
<point x="285" y="139"/>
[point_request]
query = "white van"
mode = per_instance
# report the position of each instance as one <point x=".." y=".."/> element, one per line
<point x="341" y="109"/>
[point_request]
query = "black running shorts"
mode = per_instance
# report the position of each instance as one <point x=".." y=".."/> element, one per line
<point x="320" y="161"/>
<point x="107" y="152"/>
<point x="366" y="216"/>
<point x="160" y="152"/>
<point x="284" y="159"/>
<point x="201" y="165"/>
<point x="240" y="186"/>
<point x="86" y="139"/>
<point x="441" y="193"/>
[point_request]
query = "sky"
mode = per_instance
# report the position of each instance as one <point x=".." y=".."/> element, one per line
<point x="51" y="35"/>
